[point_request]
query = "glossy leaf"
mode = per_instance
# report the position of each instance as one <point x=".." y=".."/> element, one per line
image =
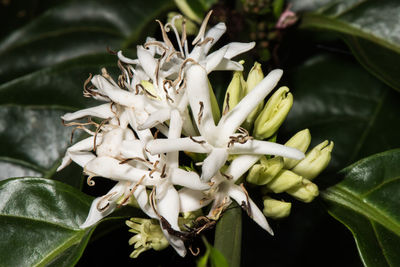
<point x="228" y="235"/>
<point x="370" y="27"/>
<point x="40" y="221"/>
<point x="338" y="100"/>
<point x="367" y="202"/>
<point x="43" y="67"/>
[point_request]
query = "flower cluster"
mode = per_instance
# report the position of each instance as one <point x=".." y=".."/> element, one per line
<point x="161" y="104"/>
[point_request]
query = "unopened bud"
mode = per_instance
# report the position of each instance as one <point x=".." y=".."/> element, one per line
<point x="273" y="114"/>
<point x="300" y="141"/>
<point x="190" y="27"/>
<point x="148" y="235"/>
<point x="234" y="93"/>
<point x="265" y="171"/>
<point x="315" y="161"/>
<point x="276" y="209"/>
<point x="214" y="104"/>
<point x="255" y="76"/>
<point x="306" y="191"/>
<point x="283" y="181"/>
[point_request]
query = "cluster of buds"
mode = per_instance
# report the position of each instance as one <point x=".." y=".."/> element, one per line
<point x="161" y="104"/>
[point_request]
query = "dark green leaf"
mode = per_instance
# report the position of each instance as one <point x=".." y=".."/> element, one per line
<point x="228" y="235"/>
<point x="338" y="100"/>
<point x="213" y="256"/>
<point x="367" y="202"/>
<point x="370" y="28"/>
<point x="40" y="221"/>
<point x="43" y="67"/>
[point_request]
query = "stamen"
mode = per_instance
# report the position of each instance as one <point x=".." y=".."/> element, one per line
<point x="194" y="253"/>
<point x="227" y="176"/>
<point x="155" y="43"/>
<point x="131" y="191"/>
<point x="163" y="173"/>
<point x="156" y="134"/>
<point x="246" y="206"/>
<point x="196" y="141"/>
<point x="200" y="115"/>
<point x="110" y="51"/>
<point x="202" y="30"/>
<point x="206" y="40"/>
<point x="154" y="169"/>
<point x="89" y="180"/>
<point x="165" y="36"/>
<point x="172" y="25"/>
<point x="183" y="37"/>
<point x="97" y="131"/>
<point x="226" y="109"/>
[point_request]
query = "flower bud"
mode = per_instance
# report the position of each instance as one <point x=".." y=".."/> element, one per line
<point x="300" y="141"/>
<point x="273" y="114"/>
<point x="234" y="93"/>
<point x="148" y="235"/>
<point x="306" y="191"/>
<point x="276" y="209"/>
<point x="255" y="76"/>
<point x="191" y="28"/>
<point x="283" y="181"/>
<point x="315" y="161"/>
<point x="261" y="174"/>
<point x="216" y="113"/>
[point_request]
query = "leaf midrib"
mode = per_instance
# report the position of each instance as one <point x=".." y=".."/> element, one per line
<point x="342" y="196"/>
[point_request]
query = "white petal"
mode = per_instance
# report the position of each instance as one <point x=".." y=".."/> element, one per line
<point x="214" y="161"/>
<point x="236" y="48"/>
<point x="227" y="64"/>
<point x="215" y="32"/>
<point x="239" y="196"/>
<point x="240" y="165"/>
<point x="181" y="144"/>
<point x="192" y="200"/>
<point x="132" y="149"/>
<point x="215" y="58"/>
<point x="126" y="60"/>
<point x="118" y="95"/>
<point x="95" y="214"/>
<point x="199" y="95"/>
<point x="142" y="199"/>
<point x="234" y="118"/>
<point x="168" y="207"/>
<point x="175" y="129"/>
<point x="80" y="152"/>
<point x="155" y="118"/>
<point x="110" y="168"/>
<point x="147" y="61"/>
<point x="187" y="179"/>
<point x="103" y="112"/>
<point x="266" y="148"/>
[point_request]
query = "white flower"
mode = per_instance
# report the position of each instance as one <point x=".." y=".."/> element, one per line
<point x="223" y="190"/>
<point x="221" y="140"/>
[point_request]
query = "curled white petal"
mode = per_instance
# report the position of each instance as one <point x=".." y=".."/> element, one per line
<point x="181" y="144"/>
<point x="103" y="111"/>
<point x="214" y="161"/>
<point x="192" y="200"/>
<point x="187" y="179"/>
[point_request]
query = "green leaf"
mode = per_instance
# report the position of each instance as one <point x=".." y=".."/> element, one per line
<point x="40" y="221"/>
<point x="212" y="255"/>
<point x="228" y="235"/>
<point x="43" y="67"/>
<point x="367" y="202"/>
<point x="370" y="28"/>
<point x="338" y="100"/>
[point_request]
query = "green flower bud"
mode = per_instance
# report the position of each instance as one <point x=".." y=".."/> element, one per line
<point x="300" y="141"/>
<point x="255" y="76"/>
<point x="283" y="181"/>
<point x="276" y="209"/>
<point x="191" y="28"/>
<point x="315" y="161"/>
<point x="306" y="191"/>
<point x="185" y="8"/>
<point x="148" y="235"/>
<point x="214" y="104"/>
<point x="235" y="92"/>
<point x="273" y="114"/>
<point x="261" y="174"/>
